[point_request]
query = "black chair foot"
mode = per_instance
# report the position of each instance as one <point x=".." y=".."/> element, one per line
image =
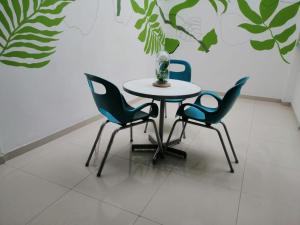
<point x="232" y="171"/>
<point x="237" y="161"/>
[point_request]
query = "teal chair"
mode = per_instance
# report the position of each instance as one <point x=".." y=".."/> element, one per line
<point x="200" y="115"/>
<point x="184" y="75"/>
<point x="114" y="107"/>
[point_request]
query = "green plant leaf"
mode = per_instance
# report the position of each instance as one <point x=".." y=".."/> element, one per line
<point x="267" y="8"/>
<point x="248" y="12"/>
<point x="253" y="28"/>
<point x="263" y="45"/>
<point x="288" y="48"/>
<point x="284" y="35"/>
<point x="171" y="45"/>
<point x="285" y="15"/>
<point x="146" y="5"/>
<point x="225" y="4"/>
<point x="142" y="35"/>
<point x="209" y="40"/>
<point x="118" y="7"/>
<point x="27" y="65"/>
<point x="136" y="8"/>
<point x="2" y="35"/>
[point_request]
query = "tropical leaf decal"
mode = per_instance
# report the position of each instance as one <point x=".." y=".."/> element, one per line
<point x="259" y="24"/>
<point x="151" y="33"/>
<point x="28" y="31"/>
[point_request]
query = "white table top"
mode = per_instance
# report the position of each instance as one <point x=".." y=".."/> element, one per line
<point x="177" y="90"/>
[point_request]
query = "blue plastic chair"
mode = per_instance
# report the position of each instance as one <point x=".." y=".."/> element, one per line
<point x="114" y="107"/>
<point x="200" y="115"/>
<point x="185" y="75"/>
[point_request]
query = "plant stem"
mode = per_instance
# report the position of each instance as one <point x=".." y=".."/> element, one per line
<point x="182" y="29"/>
<point x="277" y="44"/>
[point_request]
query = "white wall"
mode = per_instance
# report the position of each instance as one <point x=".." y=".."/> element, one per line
<point x="233" y="57"/>
<point x="37" y="103"/>
<point x="296" y="98"/>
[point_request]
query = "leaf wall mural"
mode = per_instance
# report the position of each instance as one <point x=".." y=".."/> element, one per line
<point x="267" y="20"/>
<point x="151" y="33"/>
<point x="28" y="31"/>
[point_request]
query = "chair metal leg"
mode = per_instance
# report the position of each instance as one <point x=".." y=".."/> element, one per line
<point x="224" y="148"/>
<point x="230" y="142"/>
<point x="107" y="151"/>
<point x="183" y="126"/>
<point x="131" y="134"/>
<point x="166" y="114"/>
<point x="95" y="143"/>
<point x="171" y="132"/>
<point x="146" y="126"/>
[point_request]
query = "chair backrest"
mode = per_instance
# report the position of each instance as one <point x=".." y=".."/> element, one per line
<point x="185" y="75"/>
<point x="111" y="103"/>
<point x="228" y="101"/>
<point x="242" y="80"/>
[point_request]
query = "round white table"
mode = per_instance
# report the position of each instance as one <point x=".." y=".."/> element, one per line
<point x="177" y="90"/>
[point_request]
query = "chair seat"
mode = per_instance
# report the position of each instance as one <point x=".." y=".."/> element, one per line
<point x="195" y="114"/>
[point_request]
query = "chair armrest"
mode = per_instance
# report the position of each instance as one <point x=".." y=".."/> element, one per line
<point x="180" y="111"/>
<point x="208" y="93"/>
<point x="153" y="109"/>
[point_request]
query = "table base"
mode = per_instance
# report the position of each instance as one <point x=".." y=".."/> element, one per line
<point x="168" y="150"/>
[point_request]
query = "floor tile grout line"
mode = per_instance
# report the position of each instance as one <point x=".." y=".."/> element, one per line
<point x="105" y="202"/>
<point x="244" y="170"/>
<point x="155" y="192"/>
<point x="47" y="207"/>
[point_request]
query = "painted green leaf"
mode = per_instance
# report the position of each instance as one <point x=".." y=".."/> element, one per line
<point x="253" y="28"/>
<point x="288" y="48"/>
<point x="138" y="25"/>
<point x="153" y="18"/>
<point x="177" y="8"/>
<point x="59" y="8"/>
<point x="285" y="15"/>
<point x="284" y="35"/>
<point x="263" y="45"/>
<point x="27" y="55"/>
<point x="209" y="40"/>
<point x="151" y="35"/>
<point x="248" y="12"/>
<point x="267" y="8"/>
<point x="136" y="8"/>
<point x="151" y="8"/>
<point x="225" y="4"/>
<point x="8" y="10"/>
<point x="46" y="21"/>
<point x="25" y="39"/>
<point x="27" y="65"/>
<point x="118" y="7"/>
<point x="214" y="4"/>
<point x="31" y="46"/>
<point x="171" y="45"/>
<point x="33" y="30"/>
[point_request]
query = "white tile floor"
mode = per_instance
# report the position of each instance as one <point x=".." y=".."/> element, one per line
<point x="51" y="186"/>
